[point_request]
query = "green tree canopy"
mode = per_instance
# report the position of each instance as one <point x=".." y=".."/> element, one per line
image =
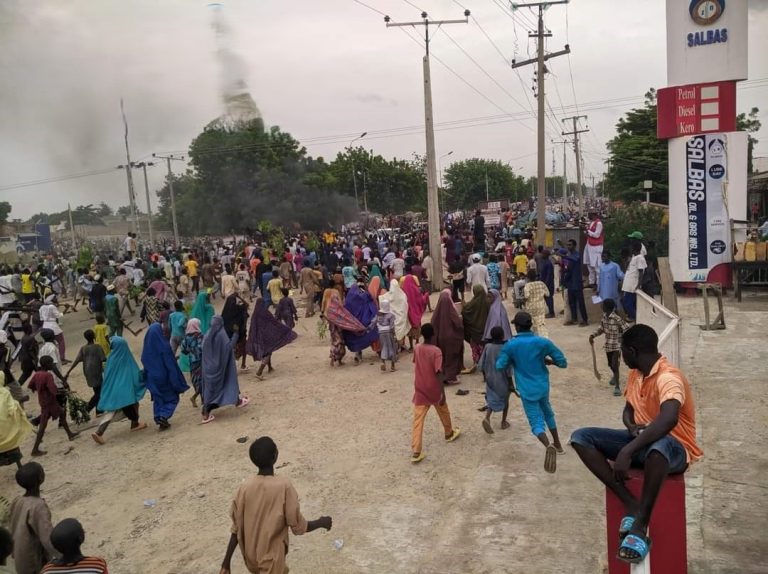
<point x="465" y="183"/>
<point x="5" y="211"/>
<point x="750" y="123"/>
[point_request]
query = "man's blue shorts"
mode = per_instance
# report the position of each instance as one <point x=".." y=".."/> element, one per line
<point x="610" y="442"/>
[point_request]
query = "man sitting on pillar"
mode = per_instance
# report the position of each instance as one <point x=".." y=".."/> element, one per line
<point x="594" y="247"/>
<point x="660" y="437"/>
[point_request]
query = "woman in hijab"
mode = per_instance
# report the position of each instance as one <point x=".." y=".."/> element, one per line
<point x="398" y="304"/>
<point x="219" y="367"/>
<point x="14" y="426"/>
<point x="266" y="336"/>
<point x="417" y="303"/>
<point x="474" y="315"/>
<point x="375" y="271"/>
<point x="497" y="317"/>
<point x="374" y="288"/>
<point x="122" y="388"/>
<point x="203" y="310"/>
<point x="235" y="316"/>
<point x="449" y="336"/>
<point x="192" y="353"/>
<point x="339" y="320"/>
<point x="164" y="378"/>
<point x="363" y="308"/>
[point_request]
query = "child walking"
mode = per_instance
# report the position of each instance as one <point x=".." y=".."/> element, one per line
<point x="42" y="384"/>
<point x="286" y="310"/>
<point x="31" y="522"/>
<point x="428" y="380"/>
<point x="385" y="324"/>
<point x="92" y="356"/>
<point x="263" y="510"/>
<point x="613" y="327"/>
<point x="498" y="384"/>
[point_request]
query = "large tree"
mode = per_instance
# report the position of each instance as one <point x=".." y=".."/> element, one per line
<point x="5" y="211"/>
<point x="636" y="155"/>
<point x="473" y="180"/>
<point x="385" y="186"/>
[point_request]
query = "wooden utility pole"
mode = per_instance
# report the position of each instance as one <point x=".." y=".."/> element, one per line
<point x="168" y="158"/>
<point x="541" y="57"/>
<point x="433" y="210"/>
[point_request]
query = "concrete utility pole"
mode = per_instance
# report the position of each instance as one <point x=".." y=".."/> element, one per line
<point x="129" y="175"/>
<point x="143" y="165"/>
<point x="354" y="175"/>
<point x="168" y="159"/>
<point x="575" y="133"/>
<point x="541" y="57"/>
<point x="565" y="178"/>
<point x="433" y="209"/>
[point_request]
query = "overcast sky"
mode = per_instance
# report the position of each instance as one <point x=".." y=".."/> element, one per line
<point x="319" y="69"/>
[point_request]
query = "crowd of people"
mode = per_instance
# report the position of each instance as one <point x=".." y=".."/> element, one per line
<point x="372" y="290"/>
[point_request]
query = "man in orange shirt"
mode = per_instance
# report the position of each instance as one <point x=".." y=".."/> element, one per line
<point x="660" y="436"/>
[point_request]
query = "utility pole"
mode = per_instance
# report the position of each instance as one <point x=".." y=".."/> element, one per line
<point x="575" y="133"/>
<point x="565" y="178"/>
<point x="72" y="228"/>
<point x="541" y="57"/>
<point x="144" y="165"/>
<point x="433" y="209"/>
<point x="487" y="193"/>
<point x="354" y="175"/>
<point x="129" y="175"/>
<point x="169" y="158"/>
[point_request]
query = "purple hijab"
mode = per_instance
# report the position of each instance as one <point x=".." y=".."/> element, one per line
<point x="362" y="306"/>
<point x="497" y="317"/>
<point x="219" y="367"/>
<point x="266" y="334"/>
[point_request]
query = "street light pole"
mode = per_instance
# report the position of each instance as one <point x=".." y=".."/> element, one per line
<point x="354" y="175"/>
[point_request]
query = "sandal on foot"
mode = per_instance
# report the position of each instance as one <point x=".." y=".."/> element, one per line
<point x="487" y="426"/>
<point x="616" y="392"/>
<point x="418" y="457"/>
<point x="550" y="459"/>
<point x="634" y="548"/>
<point x="454" y="435"/>
<point x="208" y="419"/>
<point x="625" y="526"/>
<point x="98" y="438"/>
<point x="140" y="426"/>
<point x="243" y="402"/>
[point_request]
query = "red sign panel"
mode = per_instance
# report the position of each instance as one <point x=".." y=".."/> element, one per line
<point x="696" y="109"/>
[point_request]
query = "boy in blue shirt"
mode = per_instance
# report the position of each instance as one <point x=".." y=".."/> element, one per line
<point x="529" y="356"/>
<point x="178" y="323"/>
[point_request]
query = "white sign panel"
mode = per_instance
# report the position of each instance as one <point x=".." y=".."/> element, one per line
<point x="706" y="41"/>
<point x="707" y="188"/>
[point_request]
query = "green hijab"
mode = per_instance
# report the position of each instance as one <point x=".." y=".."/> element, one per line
<point x="203" y="310"/>
<point x="475" y="314"/>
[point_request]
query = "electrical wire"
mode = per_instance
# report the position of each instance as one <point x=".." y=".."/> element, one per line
<point x="369" y="7"/>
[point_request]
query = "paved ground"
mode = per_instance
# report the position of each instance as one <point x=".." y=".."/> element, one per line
<point x="482" y="504"/>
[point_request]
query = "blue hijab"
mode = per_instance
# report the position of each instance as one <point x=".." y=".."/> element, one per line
<point x="220" y="385"/>
<point x="363" y="308"/>
<point x="122" y="386"/>
<point x="163" y="372"/>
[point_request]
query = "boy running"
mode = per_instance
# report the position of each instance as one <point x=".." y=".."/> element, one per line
<point x="530" y="355"/>
<point x="428" y="391"/>
<point x="42" y="384"/>
<point x="498" y="384"/>
<point x="613" y="326"/>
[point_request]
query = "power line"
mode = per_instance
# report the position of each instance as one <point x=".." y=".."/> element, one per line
<point x="56" y="179"/>
<point x="369" y="7"/>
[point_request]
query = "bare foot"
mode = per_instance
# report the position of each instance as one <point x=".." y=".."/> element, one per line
<point x="504" y="425"/>
<point x="38" y="452"/>
<point x="74" y="435"/>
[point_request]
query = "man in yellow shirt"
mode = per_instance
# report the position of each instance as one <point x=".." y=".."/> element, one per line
<point x="27" y="285"/>
<point x="275" y="288"/>
<point x="521" y="263"/>
<point x="191" y="266"/>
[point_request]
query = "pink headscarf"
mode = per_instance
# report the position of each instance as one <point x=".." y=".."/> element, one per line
<point x="193" y="326"/>
<point x="417" y="301"/>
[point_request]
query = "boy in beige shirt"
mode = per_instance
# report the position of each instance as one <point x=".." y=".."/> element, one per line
<point x="264" y="507"/>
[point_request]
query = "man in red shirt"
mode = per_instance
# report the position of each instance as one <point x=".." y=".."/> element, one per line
<point x="428" y="391"/>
